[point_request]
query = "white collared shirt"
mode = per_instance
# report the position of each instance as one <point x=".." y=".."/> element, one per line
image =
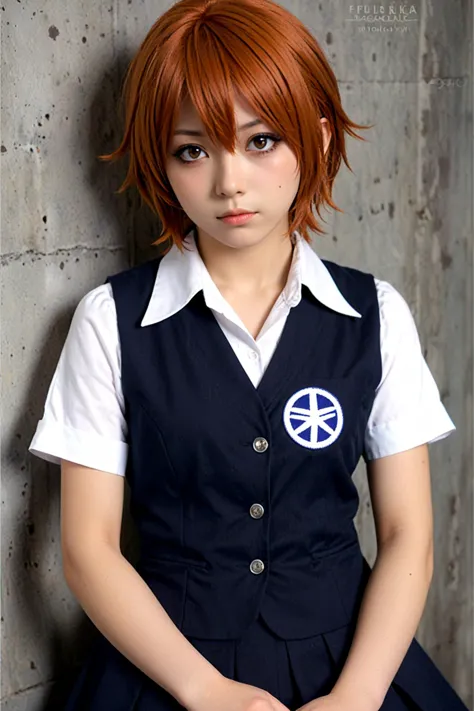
<point x="83" y="419"/>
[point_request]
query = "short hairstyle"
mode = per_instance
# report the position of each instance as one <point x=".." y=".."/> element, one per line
<point x="207" y="49"/>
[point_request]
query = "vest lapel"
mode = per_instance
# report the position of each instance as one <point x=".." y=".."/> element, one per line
<point x="288" y="355"/>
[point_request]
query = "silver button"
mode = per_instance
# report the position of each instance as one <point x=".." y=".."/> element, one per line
<point x="257" y="566"/>
<point x="260" y="444"/>
<point x="256" y="510"/>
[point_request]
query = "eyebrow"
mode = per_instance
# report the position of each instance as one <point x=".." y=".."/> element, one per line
<point x="189" y="132"/>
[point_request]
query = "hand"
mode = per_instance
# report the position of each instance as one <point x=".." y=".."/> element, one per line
<point x="335" y="702"/>
<point x="225" y="694"/>
<point x="325" y="703"/>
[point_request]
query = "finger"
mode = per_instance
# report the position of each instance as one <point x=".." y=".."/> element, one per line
<point x="278" y="706"/>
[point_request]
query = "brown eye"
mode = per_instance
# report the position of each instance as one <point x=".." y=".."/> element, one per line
<point x="264" y="137"/>
<point x="190" y="148"/>
<point x="195" y="149"/>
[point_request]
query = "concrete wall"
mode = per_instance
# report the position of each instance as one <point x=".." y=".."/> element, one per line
<point x="407" y="219"/>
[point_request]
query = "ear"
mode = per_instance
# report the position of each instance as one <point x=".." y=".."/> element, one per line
<point x="326" y="132"/>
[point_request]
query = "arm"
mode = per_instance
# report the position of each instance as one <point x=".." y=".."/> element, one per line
<point x="396" y="593"/>
<point x="105" y="583"/>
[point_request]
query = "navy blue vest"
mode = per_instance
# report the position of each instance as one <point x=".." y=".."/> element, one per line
<point x="243" y="497"/>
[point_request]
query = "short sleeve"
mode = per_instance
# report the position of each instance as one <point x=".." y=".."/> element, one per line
<point x="407" y="410"/>
<point x="83" y="419"/>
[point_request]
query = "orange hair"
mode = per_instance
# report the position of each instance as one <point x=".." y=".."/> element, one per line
<point x="207" y="49"/>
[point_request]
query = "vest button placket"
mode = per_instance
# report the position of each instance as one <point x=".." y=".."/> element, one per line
<point x="257" y="566"/>
<point x="260" y="444"/>
<point x="256" y="511"/>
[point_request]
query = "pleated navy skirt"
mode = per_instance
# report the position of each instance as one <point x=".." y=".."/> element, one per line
<point x="293" y="671"/>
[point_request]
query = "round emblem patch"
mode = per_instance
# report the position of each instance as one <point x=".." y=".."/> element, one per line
<point x="313" y="418"/>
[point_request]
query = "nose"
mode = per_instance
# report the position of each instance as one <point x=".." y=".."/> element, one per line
<point x="230" y="174"/>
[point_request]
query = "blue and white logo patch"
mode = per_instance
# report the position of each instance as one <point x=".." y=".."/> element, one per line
<point x="313" y="418"/>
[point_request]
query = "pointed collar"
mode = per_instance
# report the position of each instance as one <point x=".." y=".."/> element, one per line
<point x="181" y="275"/>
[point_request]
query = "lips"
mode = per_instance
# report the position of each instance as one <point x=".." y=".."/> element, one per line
<point x="234" y="214"/>
<point x="240" y="219"/>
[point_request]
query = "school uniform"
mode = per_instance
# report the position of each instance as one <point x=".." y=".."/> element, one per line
<point x="239" y="453"/>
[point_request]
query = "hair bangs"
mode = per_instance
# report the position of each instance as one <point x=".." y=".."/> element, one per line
<point x="210" y="51"/>
<point x="220" y="64"/>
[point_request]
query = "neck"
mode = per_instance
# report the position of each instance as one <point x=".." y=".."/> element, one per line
<point x="247" y="270"/>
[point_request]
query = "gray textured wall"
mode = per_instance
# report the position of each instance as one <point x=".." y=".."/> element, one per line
<point x="407" y="219"/>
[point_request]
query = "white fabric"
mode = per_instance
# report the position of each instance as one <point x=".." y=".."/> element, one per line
<point x="83" y="419"/>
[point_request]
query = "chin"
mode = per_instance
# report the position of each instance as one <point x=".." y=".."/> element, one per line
<point x="239" y="239"/>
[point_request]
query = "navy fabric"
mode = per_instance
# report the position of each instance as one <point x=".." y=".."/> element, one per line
<point x="196" y="472"/>
<point x="293" y="671"/>
<point x="194" y="415"/>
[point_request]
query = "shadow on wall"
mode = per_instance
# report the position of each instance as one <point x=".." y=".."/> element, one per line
<point x="135" y="227"/>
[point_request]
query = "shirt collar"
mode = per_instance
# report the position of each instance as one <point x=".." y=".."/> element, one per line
<point x="181" y="275"/>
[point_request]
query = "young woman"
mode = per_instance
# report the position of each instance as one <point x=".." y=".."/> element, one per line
<point x="236" y="380"/>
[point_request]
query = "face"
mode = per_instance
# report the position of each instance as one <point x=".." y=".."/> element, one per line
<point x="260" y="177"/>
